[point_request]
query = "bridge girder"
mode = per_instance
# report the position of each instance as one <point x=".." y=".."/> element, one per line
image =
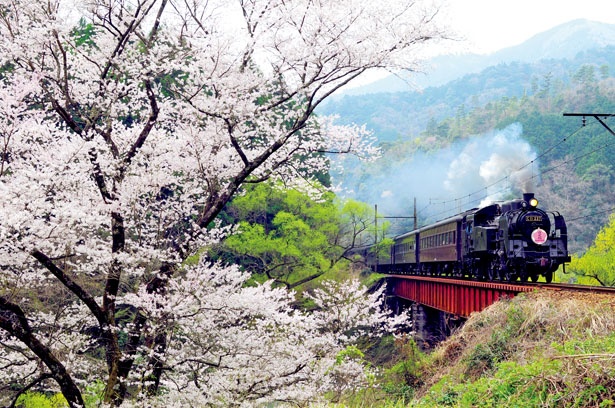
<point x="457" y="297"/>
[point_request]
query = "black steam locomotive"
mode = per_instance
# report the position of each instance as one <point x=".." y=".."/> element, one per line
<point x="502" y="241"/>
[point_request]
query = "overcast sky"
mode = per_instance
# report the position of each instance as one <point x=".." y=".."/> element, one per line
<point x="490" y="25"/>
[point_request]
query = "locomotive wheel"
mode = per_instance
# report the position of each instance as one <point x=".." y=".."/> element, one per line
<point x="549" y="276"/>
<point x="483" y="271"/>
<point x="510" y="276"/>
<point x="534" y="277"/>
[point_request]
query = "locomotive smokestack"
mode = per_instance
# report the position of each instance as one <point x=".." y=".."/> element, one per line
<point x="527" y="197"/>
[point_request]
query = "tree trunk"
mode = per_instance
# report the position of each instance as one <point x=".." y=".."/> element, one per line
<point x="13" y="320"/>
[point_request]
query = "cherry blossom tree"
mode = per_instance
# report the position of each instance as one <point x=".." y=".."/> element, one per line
<point x="125" y="127"/>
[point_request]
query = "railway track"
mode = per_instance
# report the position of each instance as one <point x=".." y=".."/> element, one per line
<point x="462" y="297"/>
<point x="575" y="288"/>
<point x="518" y="286"/>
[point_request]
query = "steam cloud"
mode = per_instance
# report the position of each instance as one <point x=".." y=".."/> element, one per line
<point x="484" y="168"/>
<point x="494" y="165"/>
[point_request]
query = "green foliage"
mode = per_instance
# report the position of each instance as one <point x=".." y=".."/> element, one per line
<point x="597" y="265"/>
<point x="486" y="356"/>
<point x="93" y="394"/>
<point x="92" y="397"/>
<point x="287" y="236"/>
<point x="405" y="377"/>
<point x="39" y="400"/>
<point x="512" y="385"/>
<point x="84" y="34"/>
<point x="591" y="345"/>
<point x="349" y="353"/>
<point x="540" y="383"/>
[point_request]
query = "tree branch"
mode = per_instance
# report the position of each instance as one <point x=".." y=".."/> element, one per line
<point x="85" y="297"/>
<point x="149" y="125"/>
<point x="13" y="320"/>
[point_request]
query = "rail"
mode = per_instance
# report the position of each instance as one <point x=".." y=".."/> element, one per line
<point x="463" y="297"/>
<point x="575" y="287"/>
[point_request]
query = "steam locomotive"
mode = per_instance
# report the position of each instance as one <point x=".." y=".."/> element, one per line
<point x="503" y="241"/>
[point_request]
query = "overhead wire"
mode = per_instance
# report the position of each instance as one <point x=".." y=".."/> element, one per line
<point x="610" y="210"/>
<point x="484" y="190"/>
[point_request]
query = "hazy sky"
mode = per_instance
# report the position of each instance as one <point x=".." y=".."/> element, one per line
<point x="490" y="25"/>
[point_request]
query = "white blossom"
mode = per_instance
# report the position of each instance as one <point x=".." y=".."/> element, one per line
<point x="125" y="127"/>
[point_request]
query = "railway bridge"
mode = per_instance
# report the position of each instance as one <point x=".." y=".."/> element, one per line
<point x="439" y="304"/>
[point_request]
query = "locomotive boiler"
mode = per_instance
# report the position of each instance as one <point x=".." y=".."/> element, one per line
<point x="506" y="241"/>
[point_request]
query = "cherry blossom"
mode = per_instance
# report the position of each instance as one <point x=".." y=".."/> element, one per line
<point x="125" y="127"/>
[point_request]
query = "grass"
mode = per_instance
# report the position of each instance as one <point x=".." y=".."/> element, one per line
<point x="542" y="349"/>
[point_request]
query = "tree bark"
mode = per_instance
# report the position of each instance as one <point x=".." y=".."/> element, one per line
<point x="14" y="321"/>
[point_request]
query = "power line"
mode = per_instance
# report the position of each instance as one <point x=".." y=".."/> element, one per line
<point x="484" y="190"/>
<point x="610" y="210"/>
<point x="507" y="177"/>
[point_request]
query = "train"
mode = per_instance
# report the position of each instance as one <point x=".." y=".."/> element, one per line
<point x="503" y="241"/>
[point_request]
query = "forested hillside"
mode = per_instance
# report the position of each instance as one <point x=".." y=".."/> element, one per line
<point x="395" y="115"/>
<point x="509" y="118"/>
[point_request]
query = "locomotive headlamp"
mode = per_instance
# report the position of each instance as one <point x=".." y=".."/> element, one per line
<point x="533" y="202"/>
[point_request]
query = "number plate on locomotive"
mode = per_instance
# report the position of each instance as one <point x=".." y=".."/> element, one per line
<point x="534" y="218"/>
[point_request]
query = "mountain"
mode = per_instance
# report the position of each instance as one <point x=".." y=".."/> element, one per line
<point x="561" y="42"/>
<point x="547" y="60"/>
<point x="395" y="115"/>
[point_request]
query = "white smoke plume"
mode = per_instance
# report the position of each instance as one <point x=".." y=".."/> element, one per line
<point x="478" y="170"/>
<point x="494" y="166"/>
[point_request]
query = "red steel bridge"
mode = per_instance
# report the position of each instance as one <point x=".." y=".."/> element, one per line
<point x="439" y="305"/>
<point x="460" y="298"/>
<point x="453" y="296"/>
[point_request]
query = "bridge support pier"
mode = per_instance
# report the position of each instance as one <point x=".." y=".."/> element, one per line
<point x="431" y="326"/>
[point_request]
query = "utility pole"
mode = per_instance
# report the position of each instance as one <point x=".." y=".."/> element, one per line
<point x="596" y="116"/>
<point x="376" y="216"/>
<point x="414" y="214"/>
